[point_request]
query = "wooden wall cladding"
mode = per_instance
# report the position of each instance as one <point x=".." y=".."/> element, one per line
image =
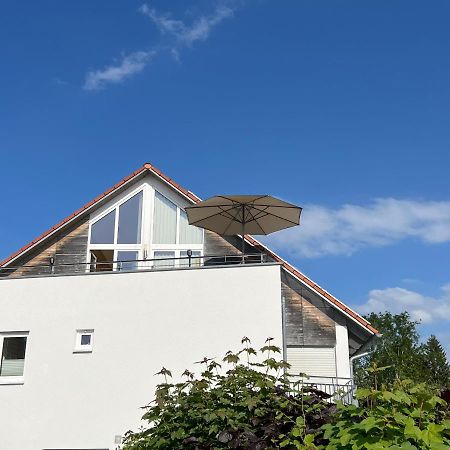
<point x="309" y="320"/>
<point x="69" y="247"/>
<point x="224" y="245"/>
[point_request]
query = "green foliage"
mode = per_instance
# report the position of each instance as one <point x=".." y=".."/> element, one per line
<point x="255" y="405"/>
<point x="401" y="354"/>
<point x="252" y="406"/>
<point x="437" y="368"/>
<point x="408" y="416"/>
<point x="398" y="350"/>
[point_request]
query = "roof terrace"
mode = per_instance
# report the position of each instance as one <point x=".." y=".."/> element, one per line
<point x="190" y="261"/>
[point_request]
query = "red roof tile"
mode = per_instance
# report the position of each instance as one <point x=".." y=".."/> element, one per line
<point x="250" y="239"/>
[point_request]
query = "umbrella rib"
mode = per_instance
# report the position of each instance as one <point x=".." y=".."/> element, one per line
<point x="212" y="215"/>
<point x="230" y="198"/>
<point x="225" y="213"/>
<point x="257" y="223"/>
<point x="232" y="219"/>
<point x="228" y="226"/>
<point x="260" y="211"/>
<point x="258" y="198"/>
<point x="282" y="218"/>
<point x="277" y="206"/>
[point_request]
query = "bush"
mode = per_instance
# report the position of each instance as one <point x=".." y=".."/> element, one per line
<point x="407" y="417"/>
<point x="252" y="406"/>
<point x="256" y="406"/>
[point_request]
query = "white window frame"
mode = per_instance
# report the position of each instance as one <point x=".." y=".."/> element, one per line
<point x="177" y="247"/>
<point x="79" y="348"/>
<point x="5" y="380"/>
<point x="115" y="246"/>
<point x="146" y="248"/>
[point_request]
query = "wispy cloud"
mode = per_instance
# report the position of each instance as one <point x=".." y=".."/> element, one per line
<point x="180" y="34"/>
<point x="349" y="228"/>
<point x="59" y="81"/>
<point x="421" y="307"/>
<point x="183" y="34"/>
<point x="129" y="65"/>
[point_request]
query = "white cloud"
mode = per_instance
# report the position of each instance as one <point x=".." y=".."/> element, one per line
<point x="186" y="35"/>
<point x="421" y="307"/>
<point x="345" y="230"/>
<point x="129" y="65"/>
<point x="180" y="35"/>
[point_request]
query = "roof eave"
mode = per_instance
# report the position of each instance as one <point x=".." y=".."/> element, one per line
<point x="307" y="282"/>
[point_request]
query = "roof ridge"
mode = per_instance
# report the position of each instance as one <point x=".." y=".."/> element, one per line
<point x="195" y="199"/>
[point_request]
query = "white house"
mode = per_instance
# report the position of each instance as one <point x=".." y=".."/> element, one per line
<point x="94" y="307"/>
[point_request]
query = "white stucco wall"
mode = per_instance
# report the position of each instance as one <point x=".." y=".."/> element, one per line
<point x="142" y="321"/>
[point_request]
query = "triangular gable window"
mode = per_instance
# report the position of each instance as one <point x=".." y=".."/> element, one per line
<point x="102" y="231"/>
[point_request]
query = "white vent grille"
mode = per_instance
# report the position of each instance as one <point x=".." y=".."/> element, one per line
<point x="313" y="361"/>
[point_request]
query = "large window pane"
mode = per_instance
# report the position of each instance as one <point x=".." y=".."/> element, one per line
<point x="127" y="260"/>
<point x="102" y="231"/>
<point x="164" y="221"/>
<point x="13" y="356"/>
<point x="188" y="233"/>
<point x="164" y="263"/>
<point x="130" y="218"/>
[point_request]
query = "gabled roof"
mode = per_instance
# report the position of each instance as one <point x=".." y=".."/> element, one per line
<point x="149" y="168"/>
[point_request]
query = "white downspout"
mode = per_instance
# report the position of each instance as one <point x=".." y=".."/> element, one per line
<point x="362" y="355"/>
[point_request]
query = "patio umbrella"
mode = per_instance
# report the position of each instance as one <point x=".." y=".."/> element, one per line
<point x="240" y="214"/>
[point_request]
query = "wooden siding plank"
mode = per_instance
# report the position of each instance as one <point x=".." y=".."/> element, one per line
<point x="308" y="319"/>
<point x="68" y="247"/>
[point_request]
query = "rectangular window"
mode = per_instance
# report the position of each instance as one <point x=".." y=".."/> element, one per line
<point x="84" y="341"/>
<point x="164" y="221"/>
<point x="12" y="360"/>
<point x="188" y="233"/>
<point x="127" y="260"/>
<point x="130" y="218"/>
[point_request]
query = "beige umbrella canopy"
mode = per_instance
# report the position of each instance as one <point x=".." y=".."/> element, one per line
<point x="241" y="214"/>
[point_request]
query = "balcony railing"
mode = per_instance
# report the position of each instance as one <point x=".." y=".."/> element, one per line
<point x="338" y="388"/>
<point x="185" y="262"/>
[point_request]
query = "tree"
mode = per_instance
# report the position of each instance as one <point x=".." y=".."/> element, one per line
<point x="436" y="364"/>
<point x="398" y="350"/>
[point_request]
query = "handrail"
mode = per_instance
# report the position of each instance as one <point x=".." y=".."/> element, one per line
<point x="306" y="376"/>
<point x="189" y="261"/>
<point x="338" y="388"/>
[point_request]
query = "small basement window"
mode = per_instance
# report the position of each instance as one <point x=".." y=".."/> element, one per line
<point x="12" y="360"/>
<point x="84" y="341"/>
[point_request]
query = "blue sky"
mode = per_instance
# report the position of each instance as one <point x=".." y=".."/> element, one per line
<point x="341" y="107"/>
